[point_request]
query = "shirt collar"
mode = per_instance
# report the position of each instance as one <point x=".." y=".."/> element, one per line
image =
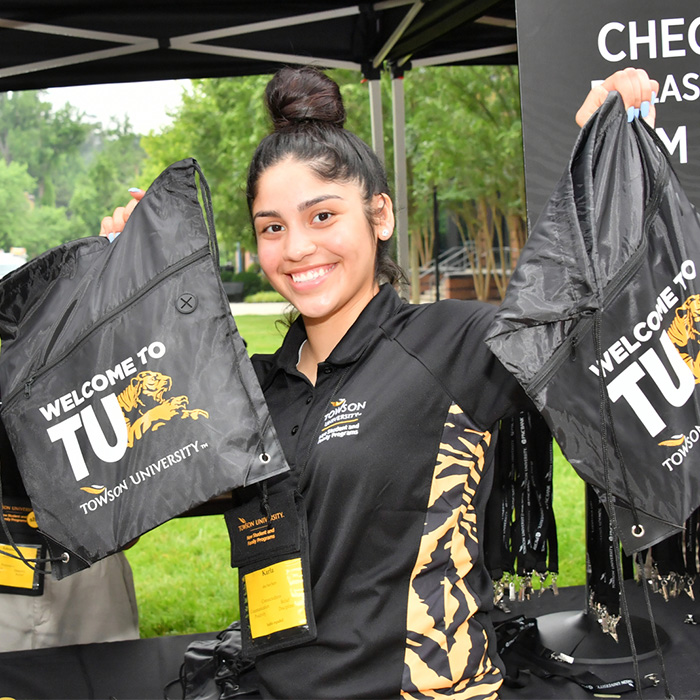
<point x="381" y="307"/>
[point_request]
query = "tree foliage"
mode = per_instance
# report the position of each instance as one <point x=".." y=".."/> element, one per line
<point x="47" y="142"/>
<point x="115" y="167"/>
<point x="24" y="224"/>
<point x="15" y="204"/>
<point x="464" y="139"/>
<point x="59" y="175"/>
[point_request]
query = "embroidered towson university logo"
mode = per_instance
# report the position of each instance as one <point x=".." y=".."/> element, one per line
<point x="343" y="420"/>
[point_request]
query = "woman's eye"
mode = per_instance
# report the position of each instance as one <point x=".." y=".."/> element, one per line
<point x="322" y="216"/>
<point x="272" y="228"/>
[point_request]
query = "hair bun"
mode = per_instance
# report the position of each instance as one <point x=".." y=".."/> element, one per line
<point x="301" y="95"/>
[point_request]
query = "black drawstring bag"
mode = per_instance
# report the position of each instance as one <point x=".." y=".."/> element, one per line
<point x="600" y="326"/>
<point x="127" y="393"/>
<point x="215" y="669"/>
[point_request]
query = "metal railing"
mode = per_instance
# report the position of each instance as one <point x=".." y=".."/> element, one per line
<point x="457" y="260"/>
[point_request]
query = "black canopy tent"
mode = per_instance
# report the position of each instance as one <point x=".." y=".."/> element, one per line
<point x="45" y="43"/>
<point x="58" y="43"/>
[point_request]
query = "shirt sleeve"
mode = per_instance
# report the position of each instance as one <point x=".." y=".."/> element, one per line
<point x="448" y="337"/>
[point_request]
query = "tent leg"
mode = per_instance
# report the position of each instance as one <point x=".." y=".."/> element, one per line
<point x="377" y="118"/>
<point x="400" y="180"/>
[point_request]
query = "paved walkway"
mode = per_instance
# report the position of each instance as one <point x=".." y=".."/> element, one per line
<point x="276" y="308"/>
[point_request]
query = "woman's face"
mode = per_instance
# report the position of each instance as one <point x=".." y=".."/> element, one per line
<point x="315" y="243"/>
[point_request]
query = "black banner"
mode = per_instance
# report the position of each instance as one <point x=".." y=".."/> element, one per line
<point x="564" y="46"/>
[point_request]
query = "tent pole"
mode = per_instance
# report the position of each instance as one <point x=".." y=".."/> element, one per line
<point x="377" y="118"/>
<point x="400" y="178"/>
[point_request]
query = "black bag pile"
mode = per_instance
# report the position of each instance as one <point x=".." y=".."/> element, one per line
<point x="216" y="669"/>
<point x="127" y="393"/>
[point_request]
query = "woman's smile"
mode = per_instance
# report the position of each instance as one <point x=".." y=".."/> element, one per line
<point x="311" y="275"/>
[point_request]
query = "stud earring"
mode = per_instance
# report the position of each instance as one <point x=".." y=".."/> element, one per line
<point x="385" y="233"/>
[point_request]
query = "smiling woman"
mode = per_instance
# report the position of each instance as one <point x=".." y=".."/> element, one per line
<point x="318" y="252"/>
<point x="372" y="576"/>
<point x="318" y="198"/>
<point x="384" y="412"/>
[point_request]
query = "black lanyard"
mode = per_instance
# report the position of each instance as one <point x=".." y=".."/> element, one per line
<point x="521" y="509"/>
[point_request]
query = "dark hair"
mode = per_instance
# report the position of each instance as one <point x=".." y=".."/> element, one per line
<point x="308" y="117"/>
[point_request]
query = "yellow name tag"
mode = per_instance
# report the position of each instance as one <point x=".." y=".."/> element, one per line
<point x="275" y="598"/>
<point x="15" y="573"/>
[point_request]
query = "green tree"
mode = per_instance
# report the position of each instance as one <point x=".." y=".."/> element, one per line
<point x="115" y="167"/>
<point x="47" y="228"/>
<point x="24" y="223"/>
<point x="464" y="139"/>
<point x="47" y="142"/>
<point x="16" y="186"/>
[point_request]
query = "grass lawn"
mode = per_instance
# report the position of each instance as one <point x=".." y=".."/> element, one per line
<point x="570" y="515"/>
<point x="184" y="582"/>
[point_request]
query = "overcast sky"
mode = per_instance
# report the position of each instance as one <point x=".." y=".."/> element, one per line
<point x="145" y="103"/>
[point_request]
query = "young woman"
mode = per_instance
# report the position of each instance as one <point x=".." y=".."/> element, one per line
<point x="385" y="411"/>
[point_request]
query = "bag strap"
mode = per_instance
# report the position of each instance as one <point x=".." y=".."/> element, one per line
<point x="658" y="179"/>
<point x="522" y="651"/>
<point x="208" y="211"/>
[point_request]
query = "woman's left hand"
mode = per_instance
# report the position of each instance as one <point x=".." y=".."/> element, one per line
<point x="112" y="226"/>
<point x="637" y="90"/>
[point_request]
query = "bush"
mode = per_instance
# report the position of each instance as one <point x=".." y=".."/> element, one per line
<point x="227" y="274"/>
<point x="253" y="282"/>
<point x="265" y="295"/>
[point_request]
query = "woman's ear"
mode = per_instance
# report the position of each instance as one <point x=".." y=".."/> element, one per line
<point x="384" y="216"/>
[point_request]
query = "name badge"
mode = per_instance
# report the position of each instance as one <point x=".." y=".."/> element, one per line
<point x="269" y="546"/>
<point x="15" y="576"/>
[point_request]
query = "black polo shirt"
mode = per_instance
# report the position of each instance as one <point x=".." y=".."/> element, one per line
<point x="389" y="450"/>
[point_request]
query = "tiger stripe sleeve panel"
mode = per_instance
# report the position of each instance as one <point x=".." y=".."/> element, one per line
<point x="446" y="648"/>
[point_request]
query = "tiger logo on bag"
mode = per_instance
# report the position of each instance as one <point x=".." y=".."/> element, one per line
<point x="685" y="329"/>
<point x="145" y="406"/>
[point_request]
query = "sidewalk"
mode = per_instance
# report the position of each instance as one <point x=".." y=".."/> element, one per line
<point x="271" y="308"/>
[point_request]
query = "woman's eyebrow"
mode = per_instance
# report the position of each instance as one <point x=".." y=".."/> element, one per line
<point x="273" y="214"/>
<point x="316" y="200"/>
<point x="302" y="206"/>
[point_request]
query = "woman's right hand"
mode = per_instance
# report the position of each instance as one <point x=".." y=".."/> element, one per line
<point x="112" y="226"/>
<point x="636" y="89"/>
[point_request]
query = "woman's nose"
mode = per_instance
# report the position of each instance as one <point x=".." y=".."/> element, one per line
<point x="298" y="244"/>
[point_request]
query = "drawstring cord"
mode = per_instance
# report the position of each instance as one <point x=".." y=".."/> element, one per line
<point x="605" y="416"/>
<point x="64" y="558"/>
